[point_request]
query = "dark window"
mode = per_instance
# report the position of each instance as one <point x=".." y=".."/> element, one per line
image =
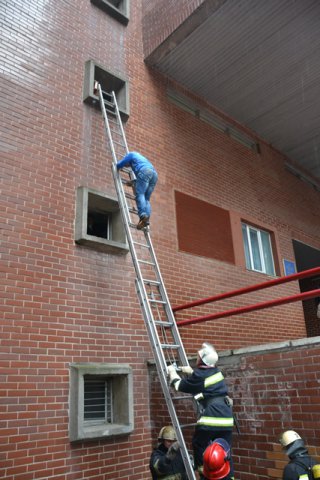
<point x="118" y="9"/>
<point x="99" y="224"/>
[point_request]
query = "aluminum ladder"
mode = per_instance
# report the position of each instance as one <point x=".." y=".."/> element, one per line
<point x="157" y="313"/>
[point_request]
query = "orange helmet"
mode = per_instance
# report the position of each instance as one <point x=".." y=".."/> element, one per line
<point x="216" y="460"/>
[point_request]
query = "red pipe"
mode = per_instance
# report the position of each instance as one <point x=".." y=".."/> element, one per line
<point x="250" y="308"/>
<point x="252" y="288"/>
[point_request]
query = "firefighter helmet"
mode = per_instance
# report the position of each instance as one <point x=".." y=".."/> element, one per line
<point x="167" y="433"/>
<point x="208" y="355"/>
<point x="216" y="460"/>
<point x="289" y="437"/>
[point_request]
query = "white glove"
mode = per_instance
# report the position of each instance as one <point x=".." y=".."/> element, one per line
<point x="187" y="369"/>
<point x="173" y="376"/>
<point x="172" y="452"/>
<point x="171" y="370"/>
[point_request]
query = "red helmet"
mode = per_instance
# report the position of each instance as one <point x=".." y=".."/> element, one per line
<point x="216" y="464"/>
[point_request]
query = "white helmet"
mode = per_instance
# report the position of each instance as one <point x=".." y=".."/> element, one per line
<point x="208" y="355"/>
<point x="289" y="437"/>
<point x="167" y="433"/>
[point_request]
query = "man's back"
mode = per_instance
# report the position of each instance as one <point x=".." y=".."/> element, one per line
<point x="299" y="468"/>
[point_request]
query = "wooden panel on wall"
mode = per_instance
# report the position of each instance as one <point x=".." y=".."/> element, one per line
<point x="203" y="228"/>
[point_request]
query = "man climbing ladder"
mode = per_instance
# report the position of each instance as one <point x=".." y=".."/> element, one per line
<point x="146" y="179"/>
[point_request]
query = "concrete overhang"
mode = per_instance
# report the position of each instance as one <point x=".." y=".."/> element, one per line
<point x="257" y="61"/>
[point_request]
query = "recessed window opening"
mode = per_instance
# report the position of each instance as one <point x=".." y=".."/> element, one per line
<point x="97" y="400"/>
<point x="109" y="82"/>
<point x="258" y="250"/>
<point x="100" y="400"/>
<point x="98" y="222"/>
<point x="118" y="9"/>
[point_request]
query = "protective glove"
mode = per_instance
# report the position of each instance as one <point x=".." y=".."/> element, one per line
<point x="172" y="452"/>
<point x="174" y="377"/>
<point x="187" y="369"/>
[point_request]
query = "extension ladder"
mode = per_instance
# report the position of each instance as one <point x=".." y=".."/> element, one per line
<point x="160" y="322"/>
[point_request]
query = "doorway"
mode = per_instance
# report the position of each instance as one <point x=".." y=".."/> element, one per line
<point x="308" y="257"/>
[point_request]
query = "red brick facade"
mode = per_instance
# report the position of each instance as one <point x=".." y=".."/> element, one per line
<point x="63" y="303"/>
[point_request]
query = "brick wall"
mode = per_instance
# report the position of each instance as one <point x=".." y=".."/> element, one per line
<point x="64" y="303"/>
<point x="275" y="387"/>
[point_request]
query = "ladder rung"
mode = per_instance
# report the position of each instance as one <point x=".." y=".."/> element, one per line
<point x="162" y="302"/>
<point x="107" y="102"/>
<point x="168" y="346"/>
<point x="118" y="143"/>
<point x="163" y="324"/>
<point x="126" y="182"/>
<point x="130" y="195"/>
<point x="114" y="122"/>
<point x="133" y="210"/>
<point x="183" y="397"/>
<point x="151" y="282"/>
<point x="110" y="111"/>
<point x="186" y="425"/>
<point x="145" y="246"/>
<point x="145" y="262"/>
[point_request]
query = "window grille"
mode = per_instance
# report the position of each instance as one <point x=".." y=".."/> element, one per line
<point x="97" y="398"/>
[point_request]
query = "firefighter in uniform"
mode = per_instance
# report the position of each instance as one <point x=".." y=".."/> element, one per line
<point x="216" y="460"/>
<point x="301" y="466"/>
<point x="166" y="461"/>
<point x="206" y="383"/>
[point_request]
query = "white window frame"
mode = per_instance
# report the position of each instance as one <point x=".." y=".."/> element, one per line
<point x="250" y="260"/>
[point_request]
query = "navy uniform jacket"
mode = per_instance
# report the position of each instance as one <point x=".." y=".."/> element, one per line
<point x="295" y="471"/>
<point x="164" y="469"/>
<point x="209" y="383"/>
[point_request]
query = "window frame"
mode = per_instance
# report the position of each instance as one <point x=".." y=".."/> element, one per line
<point x="120" y="13"/>
<point x="117" y="243"/>
<point x="122" y="387"/>
<point x="109" y="81"/>
<point x="261" y="249"/>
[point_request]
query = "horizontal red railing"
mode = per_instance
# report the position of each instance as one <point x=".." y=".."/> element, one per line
<point x="252" y="288"/>
<point x="251" y="308"/>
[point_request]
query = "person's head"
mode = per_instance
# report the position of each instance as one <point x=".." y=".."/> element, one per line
<point x="167" y="436"/>
<point x="292" y="443"/>
<point x="216" y="460"/>
<point x="207" y="355"/>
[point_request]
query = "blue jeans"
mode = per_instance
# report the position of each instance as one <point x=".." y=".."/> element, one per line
<point x="145" y="183"/>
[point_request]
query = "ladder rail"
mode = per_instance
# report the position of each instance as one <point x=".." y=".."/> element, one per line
<point x="158" y="299"/>
<point x="162" y="372"/>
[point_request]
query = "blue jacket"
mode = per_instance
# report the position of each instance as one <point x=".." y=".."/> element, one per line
<point x="136" y="161"/>
<point x="208" y="384"/>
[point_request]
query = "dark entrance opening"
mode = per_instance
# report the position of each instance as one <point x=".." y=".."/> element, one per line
<point x="309" y="257"/>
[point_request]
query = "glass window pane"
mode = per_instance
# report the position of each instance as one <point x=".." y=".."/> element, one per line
<point x="246" y="247"/>
<point x="267" y="252"/>
<point x="255" y="250"/>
